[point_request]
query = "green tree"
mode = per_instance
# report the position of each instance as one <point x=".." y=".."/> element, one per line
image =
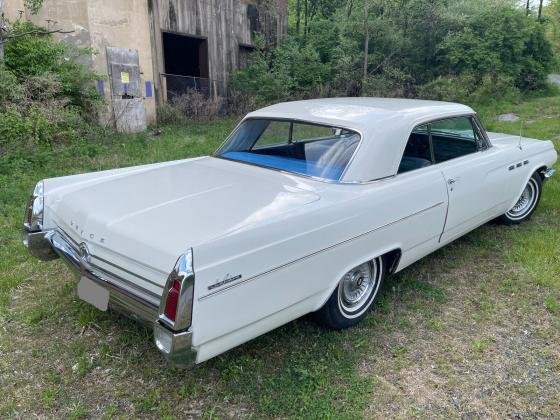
<point x="403" y="48"/>
<point x="488" y="45"/>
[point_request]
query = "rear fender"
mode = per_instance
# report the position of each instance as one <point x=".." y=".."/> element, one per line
<point x="396" y="247"/>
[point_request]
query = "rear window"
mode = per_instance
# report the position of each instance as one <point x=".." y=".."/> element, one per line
<point x="297" y="147"/>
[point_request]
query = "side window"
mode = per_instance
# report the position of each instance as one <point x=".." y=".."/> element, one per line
<point x="417" y="152"/>
<point x="453" y="138"/>
<point x="481" y="136"/>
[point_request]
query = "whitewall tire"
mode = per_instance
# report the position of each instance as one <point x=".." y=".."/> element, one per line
<point x="527" y="202"/>
<point x="354" y="295"/>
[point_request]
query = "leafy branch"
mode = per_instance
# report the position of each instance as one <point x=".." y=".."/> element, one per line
<point x="40" y="32"/>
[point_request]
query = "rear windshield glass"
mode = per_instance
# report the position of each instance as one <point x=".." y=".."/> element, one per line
<point x="293" y="146"/>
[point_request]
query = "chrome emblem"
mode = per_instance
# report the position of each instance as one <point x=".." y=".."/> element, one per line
<point x="84" y="252"/>
<point x="227" y="279"/>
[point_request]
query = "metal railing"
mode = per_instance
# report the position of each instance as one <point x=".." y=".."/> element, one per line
<point x="176" y="85"/>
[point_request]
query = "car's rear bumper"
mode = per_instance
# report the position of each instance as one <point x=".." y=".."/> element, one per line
<point x="176" y="347"/>
<point x="50" y="244"/>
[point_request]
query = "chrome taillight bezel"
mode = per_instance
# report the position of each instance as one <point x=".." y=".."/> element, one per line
<point x="183" y="272"/>
<point x="34" y="211"/>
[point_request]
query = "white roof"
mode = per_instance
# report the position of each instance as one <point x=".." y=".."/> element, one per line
<point x="385" y="124"/>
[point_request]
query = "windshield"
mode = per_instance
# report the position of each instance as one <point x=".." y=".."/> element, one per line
<point x="293" y="146"/>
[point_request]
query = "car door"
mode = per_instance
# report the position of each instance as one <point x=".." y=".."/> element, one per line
<point x="474" y="174"/>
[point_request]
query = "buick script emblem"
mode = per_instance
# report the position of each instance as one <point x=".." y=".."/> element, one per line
<point x="84" y="252"/>
<point x="227" y="279"/>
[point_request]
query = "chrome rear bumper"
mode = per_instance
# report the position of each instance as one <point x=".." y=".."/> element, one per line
<point x="50" y="244"/>
<point x="119" y="298"/>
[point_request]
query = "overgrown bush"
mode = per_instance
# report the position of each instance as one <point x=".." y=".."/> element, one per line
<point x="467" y="88"/>
<point x="241" y="102"/>
<point x="46" y="97"/>
<point x="466" y="50"/>
<point x="192" y="105"/>
<point x="392" y="82"/>
<point x="552" y="16"/>
<point x="505" y="43"/>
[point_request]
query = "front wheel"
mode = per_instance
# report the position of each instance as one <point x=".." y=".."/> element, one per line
<point x="527" y="202"/>
<point x="353" y="296"/>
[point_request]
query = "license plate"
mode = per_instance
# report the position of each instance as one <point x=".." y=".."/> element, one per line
<point x="93" y="293"/>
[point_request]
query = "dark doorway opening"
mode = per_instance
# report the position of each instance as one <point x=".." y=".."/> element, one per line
<point x="244" y="52"/>
<point x="186" y="63"/>
<point x="185" y="55"/>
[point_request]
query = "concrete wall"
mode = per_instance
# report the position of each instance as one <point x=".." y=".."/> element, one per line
<point x="12" y="8"/>
<point x="123" y="24"/>
<point x="138" y="24"/>
<point x="98" y="24"/>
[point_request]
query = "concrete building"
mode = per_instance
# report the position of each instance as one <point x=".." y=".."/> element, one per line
<point x="150" y="50"/>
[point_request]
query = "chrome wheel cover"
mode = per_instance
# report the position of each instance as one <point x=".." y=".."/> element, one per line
<point x="526" y="201"/>
<point x="358" y="287"/>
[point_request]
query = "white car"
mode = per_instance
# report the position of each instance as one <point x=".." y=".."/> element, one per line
<point x="306" y="207"/>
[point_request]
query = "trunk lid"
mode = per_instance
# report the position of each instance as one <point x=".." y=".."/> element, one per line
<point x="157" y="213"/>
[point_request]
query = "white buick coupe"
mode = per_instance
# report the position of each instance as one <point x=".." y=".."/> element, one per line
<point x="306" y="207"/>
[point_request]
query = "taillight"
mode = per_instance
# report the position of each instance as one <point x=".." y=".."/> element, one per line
<point x="172" y="300"/>
<point x="33" y="221"/>
<point x="175" y="309"/>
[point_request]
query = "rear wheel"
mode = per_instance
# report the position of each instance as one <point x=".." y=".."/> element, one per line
<point x="527" y="202"/>
<point x="353" y="296"/>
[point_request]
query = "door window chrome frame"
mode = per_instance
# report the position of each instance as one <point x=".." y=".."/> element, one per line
<point x="478" y="130"/>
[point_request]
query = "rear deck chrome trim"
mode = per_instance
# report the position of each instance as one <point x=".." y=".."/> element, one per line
<point x="138" y="303"/>
<point x="96" y="257"/>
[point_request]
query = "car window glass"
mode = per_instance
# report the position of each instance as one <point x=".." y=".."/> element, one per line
<point x="417" y="151"/>
<point x="292" y="146"/>
<point x="452" y="138"/>
<point x="480" y="134"/>
<point x="277" y="132"/>
<point x="308" y="132"/>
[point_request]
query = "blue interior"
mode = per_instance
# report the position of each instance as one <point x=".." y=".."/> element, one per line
<point x="299" y="166"/>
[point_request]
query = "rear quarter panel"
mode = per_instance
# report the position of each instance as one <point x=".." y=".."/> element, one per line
<point x="291" y="266"/>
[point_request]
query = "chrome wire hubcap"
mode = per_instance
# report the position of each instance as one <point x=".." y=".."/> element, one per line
<point x="357" y="286"/>
<point x="525" y="203"/>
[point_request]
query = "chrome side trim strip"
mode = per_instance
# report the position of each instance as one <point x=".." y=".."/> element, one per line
<point x="256" y="276"/>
